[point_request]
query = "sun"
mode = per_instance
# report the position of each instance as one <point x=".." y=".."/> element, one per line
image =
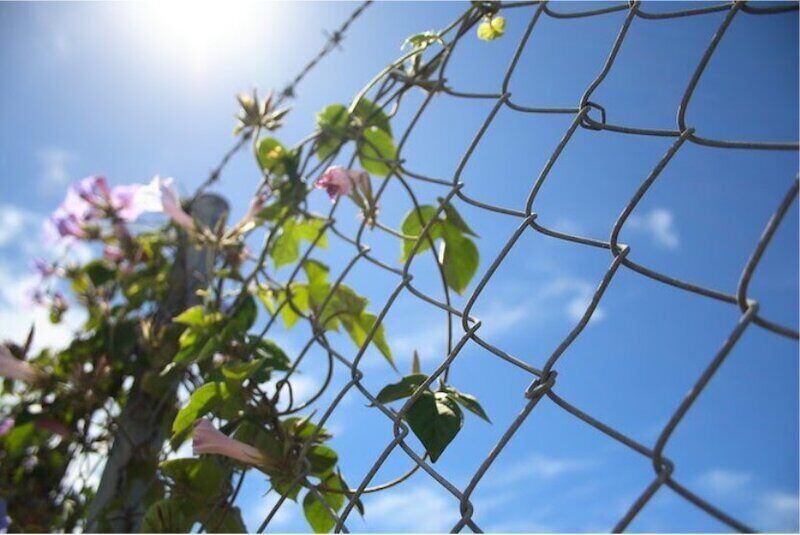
<point x="202" y="33"/>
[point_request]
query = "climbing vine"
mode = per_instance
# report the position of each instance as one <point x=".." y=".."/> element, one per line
<point x="207" y="368"/>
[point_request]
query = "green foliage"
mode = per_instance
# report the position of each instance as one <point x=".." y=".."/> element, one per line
<point x="422" y="40"/>
<point x="286" y="249"/>
<point x="209" y="397"/>
<point x="376" y="151"/>
<point x="458" y="254"/>
<point x="166" y="516"/>
<point x="368" y="125"/>
<point x="332" y="123"/>
<point x="436" y="420"/>
<point x="434" y="417"/>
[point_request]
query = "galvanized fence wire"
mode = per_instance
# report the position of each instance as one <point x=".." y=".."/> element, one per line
<point x="388" y="89"/>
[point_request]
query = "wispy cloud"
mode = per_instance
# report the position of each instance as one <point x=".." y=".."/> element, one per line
<point x="720" y="481"/>
<point x="574" y="294"/>
<point x="17" y="315"/>
<point x="536" y="466"/>
<point x="779" y="511"/>
<point x="417" y="509"/>
<point x="13" y="222"/>
<point x="659" y="225"/>
<point x="568" y="295"/>
<point x="54" y="167"/>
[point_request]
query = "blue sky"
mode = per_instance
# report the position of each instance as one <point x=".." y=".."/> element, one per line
<point x="127" y="91"/>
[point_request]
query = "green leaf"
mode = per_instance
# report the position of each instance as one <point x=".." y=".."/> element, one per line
<point x="299" y="300"/>
<point x="332" y="122"/>
<point x="202" y="401"/>
<point x="202" y="479"/>
<point x="244" y="317"/>
<point x="310" y="229"/>
<point x="376" y="151"/>
<point x="435" y="419"/>
<point x="460" y="258"/>
<point x="272" y="156"/>
<point x="166" y="516"/>
<point x="468" y="402"/>
<point x="370" y="114"/>
<point x="274" y="356"/>
<point x="286" y="249"/>
<point x="322" y="459"/>
<point x="286" y="487"/>
<point x="455" y="219"/>
<point x="193" y="316"/>
<point x="422" y="40"/>
<point x="225" y="520"/>
<point x="317" y="515"/>
<point x="413" y="224"/>
<point x="16" y="440"/>
<point x="402" y="389"/>
<point x="358" y="327"/>
<point x="238" y="372"/>
<point x="99" y="273"/>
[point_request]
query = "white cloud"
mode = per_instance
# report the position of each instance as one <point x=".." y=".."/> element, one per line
<point x="14" y="222"/>
<point x="418" y="509"/>
<point x="566" y="225"/>
<point x="255" y="509"/>
<point x="303" y="387"/>
<point x="536" y="466"/>
<point x="779" y="511"/>
<point x="659" y="225"/>
<point x="575" y="294"/>
<point x="721" y="481"/>
<point x="17" y="315"/>
<point x="570" y="295"/>
<point x="54" y="167"/>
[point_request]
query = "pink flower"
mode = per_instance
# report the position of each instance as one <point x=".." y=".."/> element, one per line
<point x="336" y="181"/>
<point x="113" y="253"/>
<point x="54" y="426"/>
<point x="6" y="425"/>
<point x="13" y="368"/>
<point x="209" y="439"/>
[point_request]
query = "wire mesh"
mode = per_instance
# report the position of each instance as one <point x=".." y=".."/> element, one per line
<point x="388" y="90"/>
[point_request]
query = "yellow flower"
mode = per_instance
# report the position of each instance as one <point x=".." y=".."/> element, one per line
<point x="491" y="28"/>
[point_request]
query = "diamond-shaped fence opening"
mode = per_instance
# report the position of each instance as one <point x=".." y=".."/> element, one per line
<point x="463" y="327"/>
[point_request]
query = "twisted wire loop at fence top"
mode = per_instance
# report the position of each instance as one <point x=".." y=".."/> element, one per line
<point x="387" y="90"/>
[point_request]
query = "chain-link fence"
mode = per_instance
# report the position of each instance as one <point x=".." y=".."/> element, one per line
<point x="587" y="114"/>
<point x="388" y="90"/>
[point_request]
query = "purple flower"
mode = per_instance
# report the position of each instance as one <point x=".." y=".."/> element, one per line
<point x="44" y="268"/>
<point x="94" y="190"/>
<point x="35" y="296"/>
<point x="5" y="521"/>
<point x="63" y="224"/>
<point x="6" y="425"/>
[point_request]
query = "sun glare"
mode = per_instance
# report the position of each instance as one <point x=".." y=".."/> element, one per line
<point x="202" y="33"/>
